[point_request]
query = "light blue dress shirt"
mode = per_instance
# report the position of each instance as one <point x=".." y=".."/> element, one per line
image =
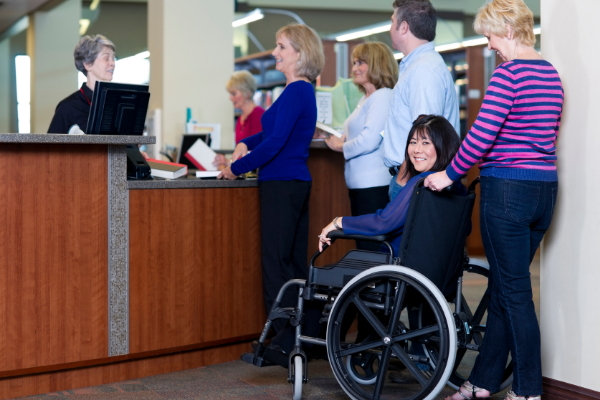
<point x="363" y="148"/>
<point x="424" y="86"/>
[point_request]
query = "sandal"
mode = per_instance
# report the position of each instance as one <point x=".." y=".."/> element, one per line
<point x="469" y="389"/>
<point x="512" y="396"/>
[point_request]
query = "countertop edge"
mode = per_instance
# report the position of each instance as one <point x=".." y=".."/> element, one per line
<point x="48" y="138"/>
<point x="190" y="183"/>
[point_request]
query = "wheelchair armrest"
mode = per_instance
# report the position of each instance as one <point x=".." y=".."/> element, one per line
<point x="333" y="235"/>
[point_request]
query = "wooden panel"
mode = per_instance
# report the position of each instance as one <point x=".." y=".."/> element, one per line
<point x="557" y="390"/>
<point x="116" y="372"/>
<point x="328" y="199"/>
<point x="53" y="267"/>
<point x="195" y="270"/>
<point x="475" y="74"/>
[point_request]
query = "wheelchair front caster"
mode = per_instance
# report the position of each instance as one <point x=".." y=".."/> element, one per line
<point x="297" y="374"/>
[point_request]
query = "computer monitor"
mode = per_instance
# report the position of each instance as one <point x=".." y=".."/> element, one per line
<point x="187" y="141"/>
<point x="118" y="109"/>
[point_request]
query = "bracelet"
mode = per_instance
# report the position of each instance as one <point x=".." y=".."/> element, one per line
<point x="335" y="224"/>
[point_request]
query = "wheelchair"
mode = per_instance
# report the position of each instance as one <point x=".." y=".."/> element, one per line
<point x="406" y="301"/>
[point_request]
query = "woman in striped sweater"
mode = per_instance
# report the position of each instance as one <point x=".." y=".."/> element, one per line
<point x="513" y="139"/>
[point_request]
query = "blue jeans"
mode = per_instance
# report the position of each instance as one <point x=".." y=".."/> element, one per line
<point x="394" y="189"/>
<point x="515" y="215"/>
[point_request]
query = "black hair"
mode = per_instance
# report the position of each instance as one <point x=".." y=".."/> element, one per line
<point x="443" y="137"/>
<point x="420" y="17"/>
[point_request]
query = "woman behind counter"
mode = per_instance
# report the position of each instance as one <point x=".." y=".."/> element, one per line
<point x="375" y="73"/>
<point x="241" y="87"/>
<point x="95" y="58"/>
<point x="280" y="151"/>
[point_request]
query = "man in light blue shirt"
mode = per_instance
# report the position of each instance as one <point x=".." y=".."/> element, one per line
<point x="424" y="86"/>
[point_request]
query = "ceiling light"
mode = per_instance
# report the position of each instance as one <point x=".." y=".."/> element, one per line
<point x="94" y="5"/>
<point x="364" y="31"/>
<point x="247" y="18"/>
<point x="83" y="25"/>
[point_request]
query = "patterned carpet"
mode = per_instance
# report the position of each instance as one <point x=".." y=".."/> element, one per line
<point x="233" y="380"/>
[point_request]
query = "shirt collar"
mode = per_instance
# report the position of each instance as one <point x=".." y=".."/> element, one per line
<point x="87" y="91"/>
<point x="406" y="61"/>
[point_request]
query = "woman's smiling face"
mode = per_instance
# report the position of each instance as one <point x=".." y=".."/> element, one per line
<point x="422" y="152"/>
<point x="286" y="58"/>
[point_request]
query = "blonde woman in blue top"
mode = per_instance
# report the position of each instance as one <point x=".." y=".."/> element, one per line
<point x="280" y="152"/>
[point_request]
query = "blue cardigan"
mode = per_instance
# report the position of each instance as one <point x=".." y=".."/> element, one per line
<point x="392" y="218"/>
<point x="281" y="149"/>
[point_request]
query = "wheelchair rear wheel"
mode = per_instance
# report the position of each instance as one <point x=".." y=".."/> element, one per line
<point x="374" y="292"/>
<point x="466" y="354"/>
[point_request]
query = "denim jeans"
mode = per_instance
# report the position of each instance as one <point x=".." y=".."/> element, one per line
<point x="395" y="188"/>
<point x="515" y="215"/>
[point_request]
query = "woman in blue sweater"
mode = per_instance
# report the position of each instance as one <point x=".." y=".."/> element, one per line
<point x="432" y="143"/>
<point x="280" y="152"/>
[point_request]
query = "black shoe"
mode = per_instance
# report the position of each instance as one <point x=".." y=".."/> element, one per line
<point x="254" y="344"/>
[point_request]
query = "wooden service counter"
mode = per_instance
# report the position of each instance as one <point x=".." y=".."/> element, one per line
<point x="105" y="280"/>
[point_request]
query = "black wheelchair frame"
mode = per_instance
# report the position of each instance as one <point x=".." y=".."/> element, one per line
<point x="431" y="350"/>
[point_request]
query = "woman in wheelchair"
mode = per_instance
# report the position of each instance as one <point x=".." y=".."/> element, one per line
<point x="431" y="146"/>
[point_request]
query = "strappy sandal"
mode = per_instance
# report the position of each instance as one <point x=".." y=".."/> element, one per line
<point x="472" y="390"/>
<point x="512" y="396"/>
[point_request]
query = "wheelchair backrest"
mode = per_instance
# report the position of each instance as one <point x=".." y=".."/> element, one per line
<point x="434" y="235"/>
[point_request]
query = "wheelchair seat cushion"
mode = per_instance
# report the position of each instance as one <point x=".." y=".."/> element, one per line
<point x="352" y="264"/>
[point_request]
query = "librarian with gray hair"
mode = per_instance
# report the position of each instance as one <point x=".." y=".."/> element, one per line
<point x="95" y="58"/>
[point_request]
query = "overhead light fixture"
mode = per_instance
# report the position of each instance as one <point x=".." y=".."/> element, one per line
<point x="94" y="5"/>
<point x="83" y="26"/>
<point x="143" y="54"/>
<point x="249" y="17"/>
<point x="366" y="31"/>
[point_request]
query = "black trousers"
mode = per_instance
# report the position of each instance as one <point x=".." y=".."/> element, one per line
<point x="284" y="239"/>
<point x="368" y="201"/>
<point x="362" y="202"/>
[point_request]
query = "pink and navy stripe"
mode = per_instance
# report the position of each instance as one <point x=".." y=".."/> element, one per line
<point x="515" y="133"/>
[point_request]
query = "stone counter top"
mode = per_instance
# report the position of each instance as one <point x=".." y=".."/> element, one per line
<point x="46" y="138"/>
<point x="190" y="183"/>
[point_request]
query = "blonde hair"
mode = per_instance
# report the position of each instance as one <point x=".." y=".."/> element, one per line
<point x="493" y="18"/>
<point x="306" y="42"/>
<point x="243" y="81"/>
<point x="382" y="66"/>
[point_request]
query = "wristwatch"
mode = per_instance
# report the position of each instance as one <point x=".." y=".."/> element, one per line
<point x="335" y="224"/>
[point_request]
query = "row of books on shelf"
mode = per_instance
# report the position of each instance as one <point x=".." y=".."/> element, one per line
<point x="265" y="98"/>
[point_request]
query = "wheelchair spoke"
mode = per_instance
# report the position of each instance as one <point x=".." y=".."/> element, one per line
<point x="382" y="373"/>
<point x="408" y="363"/>
<point x="459" y="356"/>
<point x="398" y="303"/>
<point x="360" y="348"/>
<point x="416" y="333"/>
<point x="366" y="312"/>
<point x="481" y="309"/>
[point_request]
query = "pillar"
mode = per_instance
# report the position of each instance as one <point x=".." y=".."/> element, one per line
<point x="51" y="38"/>
<point x="5" y="83"/>
<point x="191" y="59"/>
<point x="570" y="264"/>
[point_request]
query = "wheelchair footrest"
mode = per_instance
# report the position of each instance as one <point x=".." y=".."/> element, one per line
<point x="251" y="358"/>
<point x="282" y="312"/>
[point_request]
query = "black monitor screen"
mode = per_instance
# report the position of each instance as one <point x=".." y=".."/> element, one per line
<point x="187" y="141"/>
<point x="118" y="109"/>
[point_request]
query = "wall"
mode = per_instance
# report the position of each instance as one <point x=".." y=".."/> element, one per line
<point x="52" y="36"/>
<point x="570" y="323"/>
<point x="5" y="81"/>
<point x="191" y="56"/>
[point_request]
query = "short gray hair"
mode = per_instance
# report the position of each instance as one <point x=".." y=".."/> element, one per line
<point x="243" y="81"/>
<point x="87" y="50"/>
